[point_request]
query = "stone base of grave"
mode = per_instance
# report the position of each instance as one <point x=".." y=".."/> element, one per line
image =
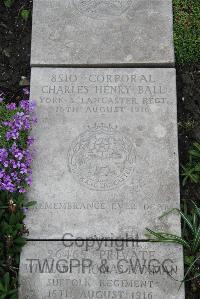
<point x="100" y="269"/>
<point x="106" y="164"/>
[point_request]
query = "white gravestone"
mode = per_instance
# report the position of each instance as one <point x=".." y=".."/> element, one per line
<point x="106" y="161"/>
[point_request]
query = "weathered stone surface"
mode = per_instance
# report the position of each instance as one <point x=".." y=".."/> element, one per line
<point x="100" y="270"/>
<point x="68" y="32"/>
<point x="106" y="163"/>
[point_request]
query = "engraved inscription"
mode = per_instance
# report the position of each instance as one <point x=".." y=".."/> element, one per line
<point x="101" y="269"/>
<point x="99" y="93"/>
<point x="102" y="158"/>
<point x="102" y="8"/>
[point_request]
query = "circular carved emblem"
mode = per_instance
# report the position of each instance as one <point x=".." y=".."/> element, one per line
<point x="102" y="8"/>
<point x="101" y="158"/>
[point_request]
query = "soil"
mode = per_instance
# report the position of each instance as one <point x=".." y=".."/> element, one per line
<point x="188" y="97"/>
<point x="15" y="43"/>
<point x="188" y="94"/>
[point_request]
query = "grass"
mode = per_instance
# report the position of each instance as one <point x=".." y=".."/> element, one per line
<point x="187" y="31"/>
<point x="190" y="240"/>
<point x="191" y="171"/>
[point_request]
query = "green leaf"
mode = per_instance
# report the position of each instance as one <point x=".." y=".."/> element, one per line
<point x="187" y="221"/>
<point x="25" y="14"/>
<point x="12" y="219"/>
<point x="6" y="279"/>
<point x="2" y="287"/>
<point x="12" y="292"/>
<point x="8" y="3"/>
<point x="30" y="204"/>
<point x="20" y="241"/>
<point x="1" y="213"/>
<point x="196" y="242"/>
<point x="169" y="212"/>
<point x="196" y="151"/>
<point x="194" y="219"/>
<point x="190" y="269"/>
<point x="19" y="226"/>
<point x="188" y="260"/>
<point x="14" y="296"/>
<point x="196" y="208"/>
<point x="197" y="167"/>
<point x="168" y="238"/>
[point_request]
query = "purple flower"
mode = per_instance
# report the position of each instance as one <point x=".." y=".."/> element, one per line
<point x="3" y="154"/>
<point x="20" y="113"/>
<point x="7" y="123"/>
<point x="27" y="124"/>
<point x="12" y="135"/>
<point x="6" y="183"/>
<point x="15" y="177"/>
<point x="30" y="140"/>
<point x="15" y="164"/>
<point x="32" y="105"/>
<point x="17" y="155"/>
<point x="23" y="168"/>
<point x="11" y="106"/>
<point x="29" y="180"/>
<point x="24" y="104"/>
<point x="2" y="173"/>
<point x="22" y="190"/>
<point x="26" y="90"/>
<point x="5" y="164"/>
